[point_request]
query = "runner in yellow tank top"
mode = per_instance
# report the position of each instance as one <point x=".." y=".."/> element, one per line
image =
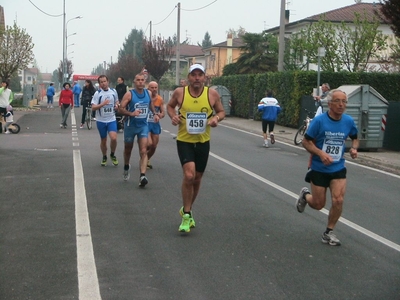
<point x="196" y="104"/>
<point x="195" y="113"/>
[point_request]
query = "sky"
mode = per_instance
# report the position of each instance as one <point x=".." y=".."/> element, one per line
<point x="105" y="24"/>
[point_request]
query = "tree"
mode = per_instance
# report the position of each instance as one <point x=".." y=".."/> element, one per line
<point x="55" y="79"/>
<point x="297" y="49"/>
<point x="236" y="33"/>
<point x="206" y="41"/>
<point x="259" y="54"/>
<point x="230" y="69"/>
<point x="391" y="63"/>
<point x="99" y="70"/>
<point x="323" y="34"/>
<point x="346" y="46"/>
<point x="126" y="67"/>
<point x="175" y="41"/>
<point x="70" y="70"/>
<point x="391" y="10"/>
<point x="15" y="83"/>
<point x="133" y="45"/>
<point x="15" y="50"/>
<point x="157" y="57"/>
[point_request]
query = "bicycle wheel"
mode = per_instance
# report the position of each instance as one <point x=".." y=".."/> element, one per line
<point x="14" y="128"/>
<point x="298" y="138"/>
<point x="89" y="119"/>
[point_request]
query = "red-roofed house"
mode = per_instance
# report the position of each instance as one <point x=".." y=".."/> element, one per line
<point x="189" y="54"/>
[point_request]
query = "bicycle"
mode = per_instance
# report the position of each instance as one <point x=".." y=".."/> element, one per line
<point x="13" y="127"/>
<point x="88" y="117"/>
<point x="298" y="138"/>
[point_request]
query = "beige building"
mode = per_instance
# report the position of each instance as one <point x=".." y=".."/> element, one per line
<point x="219" y="55"/>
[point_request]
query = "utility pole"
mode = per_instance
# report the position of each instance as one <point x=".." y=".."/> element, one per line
<point x="150" y="31"/>
<point x="64" y="44"/>
<point x="281" y="37"/>
<point x="178" y="45"/>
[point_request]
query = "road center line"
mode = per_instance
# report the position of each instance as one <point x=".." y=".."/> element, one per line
<point x="88" y="282"/>
<point x="289" y="193"/>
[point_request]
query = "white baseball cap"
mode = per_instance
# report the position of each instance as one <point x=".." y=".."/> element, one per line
<point x="196" y="67"/>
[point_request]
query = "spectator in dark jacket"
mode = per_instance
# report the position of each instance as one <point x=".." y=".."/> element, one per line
<point x="87" y="95"/>
<point x="121" y="88"/>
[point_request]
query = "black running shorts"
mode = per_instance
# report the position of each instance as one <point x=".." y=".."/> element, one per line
<point x="196" y="152"/>
<point x="324" y="179"/>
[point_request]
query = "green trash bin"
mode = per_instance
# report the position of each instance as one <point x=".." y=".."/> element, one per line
<point x="368" y="109"/>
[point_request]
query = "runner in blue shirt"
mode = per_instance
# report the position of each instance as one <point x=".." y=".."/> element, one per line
<point x="136" y="105"/>
<point x="325" y="140"/>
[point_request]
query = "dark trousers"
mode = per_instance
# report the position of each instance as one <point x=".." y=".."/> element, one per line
<point x="85" y="104"/>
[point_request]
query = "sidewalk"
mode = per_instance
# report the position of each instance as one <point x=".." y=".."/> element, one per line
<point x="382" y="159"/>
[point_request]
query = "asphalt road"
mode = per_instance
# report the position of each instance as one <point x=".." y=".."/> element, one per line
<point x="71" y="229"/>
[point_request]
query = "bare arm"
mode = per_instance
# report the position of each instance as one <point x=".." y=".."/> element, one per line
<point x="152" y="108"/>
<point x="124" y="103"/>
<point x="162" y="110"/>
<point x="354" y="146"/>
<point x="98" y="106"/>
<point x="310" y="147"/>
<point x="176" y="100"/>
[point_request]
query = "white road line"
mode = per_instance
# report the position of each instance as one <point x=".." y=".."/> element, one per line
<point x="293" y="195"/>
<point x="73" y="122"/>
<point x="88" y="282"/>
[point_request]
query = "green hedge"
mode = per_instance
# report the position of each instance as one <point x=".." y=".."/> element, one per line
<point x="289" y="87"/>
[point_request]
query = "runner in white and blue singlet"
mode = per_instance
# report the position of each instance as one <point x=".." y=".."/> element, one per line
<point x="104" y="103"/>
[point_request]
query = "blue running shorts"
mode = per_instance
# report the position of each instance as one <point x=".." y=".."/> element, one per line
<point x="104" y="128"/>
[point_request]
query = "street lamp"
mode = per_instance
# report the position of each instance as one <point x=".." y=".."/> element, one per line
<point x="65" y="37"/>
<point x="66" y="41"/>
<point x="321" y="53"/>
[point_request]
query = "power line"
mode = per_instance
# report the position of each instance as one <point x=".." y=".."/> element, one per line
<point x="146" y="28"/>
<point x="200" y="7"/>
<point x="44" y="11"/>
<point x="166" y="17"/>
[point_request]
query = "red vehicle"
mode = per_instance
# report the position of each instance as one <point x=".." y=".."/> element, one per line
<point x="84" y="77"/>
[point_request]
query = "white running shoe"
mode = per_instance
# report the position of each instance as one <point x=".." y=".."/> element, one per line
<point x="127" y="174"/>
<point x="330" y="238"/>
<point x="301" y="201"/>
